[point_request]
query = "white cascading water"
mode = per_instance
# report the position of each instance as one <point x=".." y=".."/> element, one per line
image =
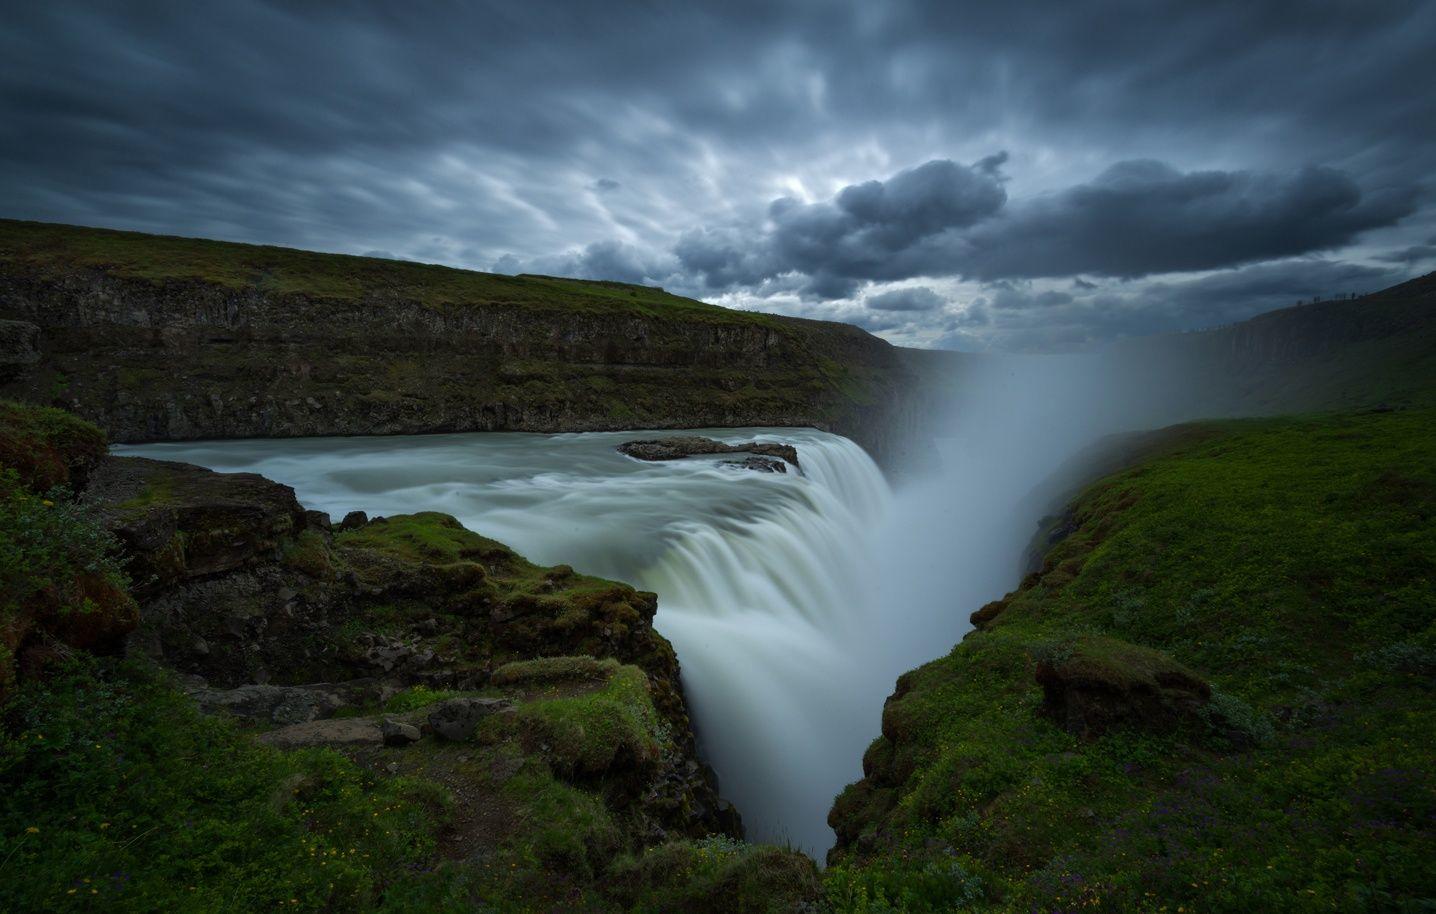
<point x="793" y="601"/>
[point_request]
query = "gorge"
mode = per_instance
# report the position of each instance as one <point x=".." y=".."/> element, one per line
<point x="1025" y="544"/>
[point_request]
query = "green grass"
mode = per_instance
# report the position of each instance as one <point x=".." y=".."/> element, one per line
<point x="1292" y="564"/>
<point x="121" y="797"/>
<point x="416" y="697"/>
<point x="714" y="876"/>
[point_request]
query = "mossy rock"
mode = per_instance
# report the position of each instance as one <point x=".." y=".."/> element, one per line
<point x="610" y="728"/>
<point x="1093" y="683"/>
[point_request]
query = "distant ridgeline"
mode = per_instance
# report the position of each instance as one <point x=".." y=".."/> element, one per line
<point x="1379" y="349"/>
<point x="158" y="338"/>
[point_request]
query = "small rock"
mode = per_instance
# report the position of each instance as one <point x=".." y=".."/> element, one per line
<point x="456" y="718"/>
<point x="354" y="520"/>
<point x="398" y="733"/>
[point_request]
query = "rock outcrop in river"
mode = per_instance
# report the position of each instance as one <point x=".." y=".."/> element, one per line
<point x="677" y="447"/>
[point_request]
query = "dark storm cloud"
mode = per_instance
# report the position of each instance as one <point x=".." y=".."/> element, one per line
<point x="1144" y="217"/>
<point x="1416" y="253"/>
<point x="648" y="141"/>
<point x="873" y="230"/>
<point x="916" y="298"/>
<point x="1135" y="219"/>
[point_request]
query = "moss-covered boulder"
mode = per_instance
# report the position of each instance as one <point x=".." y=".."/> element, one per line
<point x="1091" y="684"/>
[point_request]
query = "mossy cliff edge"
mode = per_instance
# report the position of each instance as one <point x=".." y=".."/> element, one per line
<point x="162" y="338"/>
<point x="1215" y="694"/>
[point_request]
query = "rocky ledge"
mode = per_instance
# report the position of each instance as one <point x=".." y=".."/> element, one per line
<point x="277" y="618"/>
<point x="677" y="447"/>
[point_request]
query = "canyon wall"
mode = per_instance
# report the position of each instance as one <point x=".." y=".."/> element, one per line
<point x="161" y="339"/>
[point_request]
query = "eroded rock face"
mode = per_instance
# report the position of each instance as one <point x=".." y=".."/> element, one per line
<point x="676" y="447"/>
<point x="18" y="348"/>
<point x="178" y="521"/>
<point x="249" y="362"/>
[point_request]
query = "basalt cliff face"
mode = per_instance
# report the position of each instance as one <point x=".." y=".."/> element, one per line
<point x="164" y="338"/>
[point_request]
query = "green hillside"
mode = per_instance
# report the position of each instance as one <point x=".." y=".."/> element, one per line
<point x="1216" y="695"/>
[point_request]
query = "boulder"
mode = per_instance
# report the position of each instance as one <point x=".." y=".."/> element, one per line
<point x="268" y="703"/>
<point x="456" y="718"/>
<point x="984" y="617"/>
<point x="676" y="447"/>
<point x="398" y="733"/>
<point x="354" y="520"/>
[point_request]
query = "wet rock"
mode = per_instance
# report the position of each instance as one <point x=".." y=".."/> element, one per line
<point x="398" y="733"/>
<point x="758" y="464"/>
<point x="676" y="447"/>
<point x="456" y="719"/>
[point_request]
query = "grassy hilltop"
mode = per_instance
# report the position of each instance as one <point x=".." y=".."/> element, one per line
<point x="52" y="250"/>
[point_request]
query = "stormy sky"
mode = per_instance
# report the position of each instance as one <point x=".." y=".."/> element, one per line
<point x="1015" y="176"/>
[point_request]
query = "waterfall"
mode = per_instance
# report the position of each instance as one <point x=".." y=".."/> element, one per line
<point x="766" y="614"/>
<point x="765" y="581"/>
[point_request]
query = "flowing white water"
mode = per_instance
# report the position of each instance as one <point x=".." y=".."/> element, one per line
<point x="764" y="580"/>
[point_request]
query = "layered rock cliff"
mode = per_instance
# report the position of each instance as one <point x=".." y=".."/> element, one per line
<point x="158" y="338"/>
